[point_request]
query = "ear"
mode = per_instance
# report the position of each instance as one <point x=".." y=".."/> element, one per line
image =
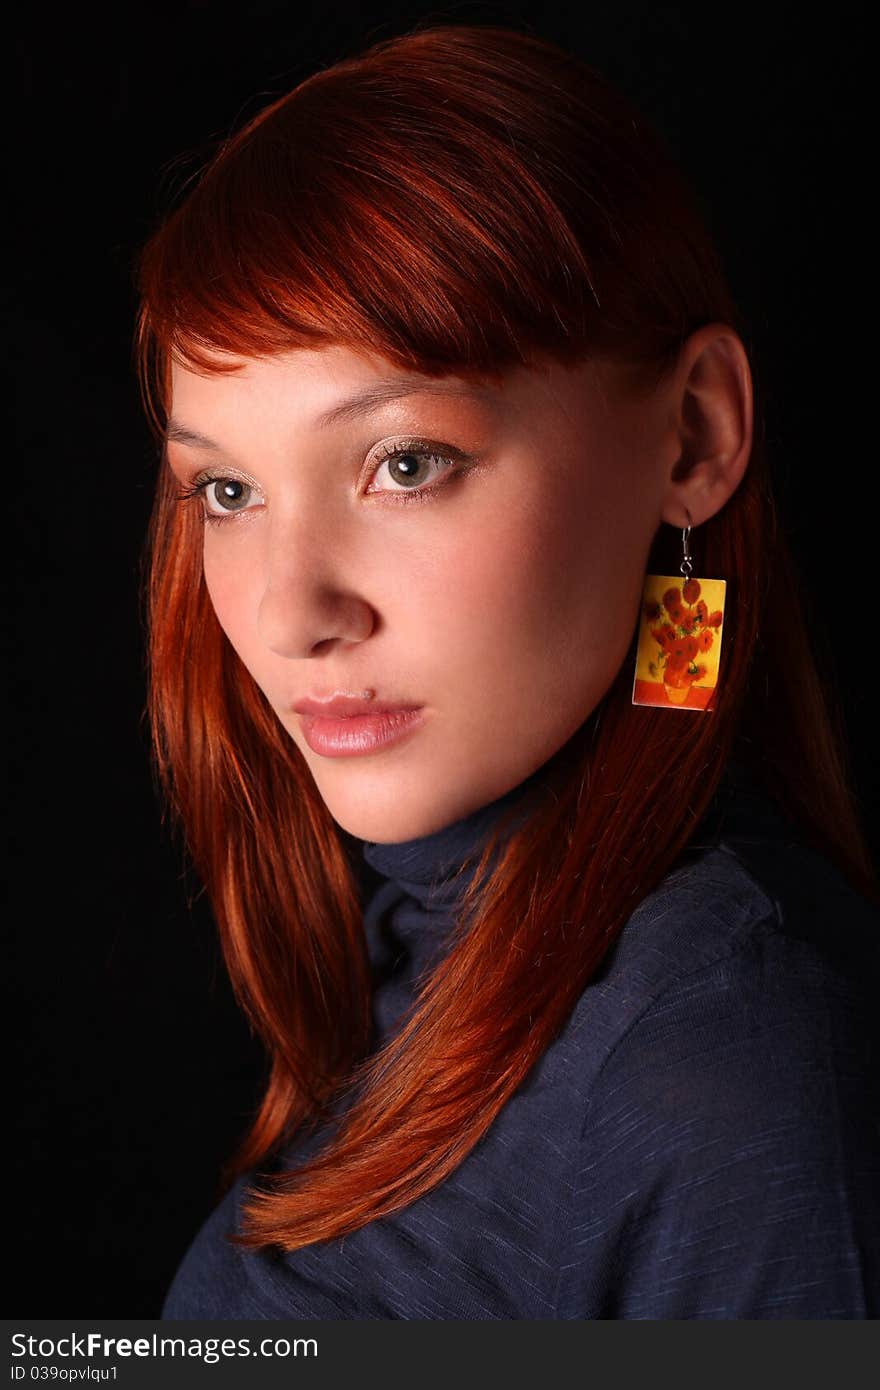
<point x="713" y="404"/>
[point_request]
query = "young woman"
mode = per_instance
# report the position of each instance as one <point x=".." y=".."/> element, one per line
<point x="481" y="686"/>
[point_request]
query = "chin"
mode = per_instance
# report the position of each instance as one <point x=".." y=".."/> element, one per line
<point x="369" y="820"/>
<point x="383" y="830"/>
<point x="387" y="801"/>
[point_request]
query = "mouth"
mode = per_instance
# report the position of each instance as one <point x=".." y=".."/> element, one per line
<point x="342" y="702"/>
<point x="336" y="735"/>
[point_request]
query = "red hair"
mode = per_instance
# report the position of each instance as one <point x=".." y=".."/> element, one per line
<point x="456" y="199"/>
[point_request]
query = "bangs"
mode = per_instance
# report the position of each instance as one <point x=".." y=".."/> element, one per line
<point x="431" y="205"/>
<point x="387" y="207"/>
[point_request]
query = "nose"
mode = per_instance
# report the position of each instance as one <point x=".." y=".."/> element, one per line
<point x="309" y="596"/>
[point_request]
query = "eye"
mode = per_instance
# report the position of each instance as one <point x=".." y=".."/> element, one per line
<point x="227" y="495"/>
<point x="413" y="466"/>
<point x="222" y="497"/>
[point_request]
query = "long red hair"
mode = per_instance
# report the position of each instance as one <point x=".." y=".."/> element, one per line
<point x="457" y="199"/>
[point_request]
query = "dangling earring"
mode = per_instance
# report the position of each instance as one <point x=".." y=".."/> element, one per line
<point x="680" y="628"/>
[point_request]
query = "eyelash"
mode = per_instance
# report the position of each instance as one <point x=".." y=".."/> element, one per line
<point x="453" y="456"/>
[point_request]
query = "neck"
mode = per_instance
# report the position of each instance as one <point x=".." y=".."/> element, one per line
<point x="422" y="866"/>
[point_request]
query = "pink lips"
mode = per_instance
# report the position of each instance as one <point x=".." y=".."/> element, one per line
<point x="346" y="726"/>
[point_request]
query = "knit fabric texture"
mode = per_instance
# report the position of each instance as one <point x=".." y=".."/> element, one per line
<point x="701" y="1140"/>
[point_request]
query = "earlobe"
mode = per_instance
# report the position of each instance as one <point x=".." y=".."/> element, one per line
<point x="704" y="490"/>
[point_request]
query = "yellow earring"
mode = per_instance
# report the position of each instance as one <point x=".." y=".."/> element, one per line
<point x="681" y="623"/>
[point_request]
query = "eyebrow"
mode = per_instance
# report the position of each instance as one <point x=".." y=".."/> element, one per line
<point x="351" y="408"/>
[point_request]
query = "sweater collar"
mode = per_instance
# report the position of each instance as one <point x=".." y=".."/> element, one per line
<point x="426" y="867"/>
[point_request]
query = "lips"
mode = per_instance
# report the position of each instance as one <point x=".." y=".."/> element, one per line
<point x="352" y="734"/>
<point x="346" y="706"/>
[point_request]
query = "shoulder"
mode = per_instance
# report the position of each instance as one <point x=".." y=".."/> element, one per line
<point x="731" y="1132"/>
<point x="760" y="1009"/>
<point x="748" y="911"/>
<point x="754" y="961"/>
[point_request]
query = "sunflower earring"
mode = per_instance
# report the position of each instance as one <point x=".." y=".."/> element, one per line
<point x="681" y="623"/>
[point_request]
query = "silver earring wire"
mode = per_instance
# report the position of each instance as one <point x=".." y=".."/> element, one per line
<point x="686" y="565"/>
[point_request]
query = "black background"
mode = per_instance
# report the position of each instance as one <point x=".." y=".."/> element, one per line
<point x="133" y="1072"/>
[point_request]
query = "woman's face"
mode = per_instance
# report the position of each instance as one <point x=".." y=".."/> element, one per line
<point x="489" y="571"/>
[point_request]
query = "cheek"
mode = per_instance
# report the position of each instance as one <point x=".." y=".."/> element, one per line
<point x="229" y="580"/>
<point x="548" y="561"/>
<point x="536" y="604"/>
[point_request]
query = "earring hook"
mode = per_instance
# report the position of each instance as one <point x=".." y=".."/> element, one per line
<point x="687" y="564"/>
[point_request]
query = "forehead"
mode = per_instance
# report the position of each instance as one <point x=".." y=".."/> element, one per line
<point x="336" y="385"/>
<point x="316" y="377"/>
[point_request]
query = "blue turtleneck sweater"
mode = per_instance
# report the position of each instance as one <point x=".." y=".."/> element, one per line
<point x="701" y="1141"/>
